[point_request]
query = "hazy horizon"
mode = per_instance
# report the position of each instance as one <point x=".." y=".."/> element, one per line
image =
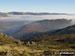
<point x="51" y="6"/>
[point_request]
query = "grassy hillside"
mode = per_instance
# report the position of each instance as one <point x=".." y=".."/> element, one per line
<point x="13" y="47"/>
<point x="55" y="40"/>
<point x="39" y="45"/>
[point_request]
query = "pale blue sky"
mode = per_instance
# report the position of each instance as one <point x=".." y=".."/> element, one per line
<point x="65" y="6"/>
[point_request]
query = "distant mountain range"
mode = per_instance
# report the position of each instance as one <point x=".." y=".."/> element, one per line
<point x="31" y="13"/>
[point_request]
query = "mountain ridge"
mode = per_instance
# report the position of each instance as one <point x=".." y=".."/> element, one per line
<point x="33" y="13"/>
<point x="42" y="26"/>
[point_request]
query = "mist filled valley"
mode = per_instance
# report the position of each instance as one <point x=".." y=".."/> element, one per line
<point x="25" y="24"/>
<point x="33" y="34"/>
<point x="37" y="27"/>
